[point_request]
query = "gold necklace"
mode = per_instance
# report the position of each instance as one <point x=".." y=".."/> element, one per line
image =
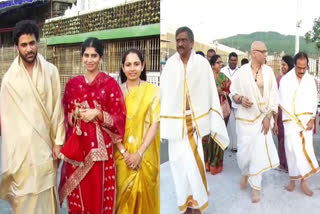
<point x="136" y="109"/>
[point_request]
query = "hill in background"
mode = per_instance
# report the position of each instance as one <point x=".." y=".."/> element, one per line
<point x="275" y="42"/>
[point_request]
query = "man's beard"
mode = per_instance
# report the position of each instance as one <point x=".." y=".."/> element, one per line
<point x="29" y="60"/>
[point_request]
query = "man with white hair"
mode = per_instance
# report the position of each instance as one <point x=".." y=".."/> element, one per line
<point x="254" y="90"/>
<point x="298" y="101"/>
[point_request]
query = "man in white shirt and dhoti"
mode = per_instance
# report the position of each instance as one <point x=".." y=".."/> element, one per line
<point x="189" y="110"/>
<point x="32" y="126"/>
<point x="298" y="101"/>
<point x="254" y="89"/>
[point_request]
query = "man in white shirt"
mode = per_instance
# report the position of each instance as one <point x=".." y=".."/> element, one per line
<point x="232" y="66"/>
<point x="229" y="71"/>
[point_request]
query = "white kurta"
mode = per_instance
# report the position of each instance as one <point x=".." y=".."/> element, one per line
<point x="256" y="151"/>
<point x="299" y="105"/>
<point x="195" y="83"/>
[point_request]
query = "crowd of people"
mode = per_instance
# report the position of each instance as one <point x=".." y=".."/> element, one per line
<point x="206" y="108"/>
<point x="106" y="134"/>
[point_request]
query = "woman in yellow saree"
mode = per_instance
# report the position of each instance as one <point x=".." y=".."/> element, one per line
<point x="138" y="157"/>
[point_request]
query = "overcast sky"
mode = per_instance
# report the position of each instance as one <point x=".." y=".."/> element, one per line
<point x="216" y="19"/>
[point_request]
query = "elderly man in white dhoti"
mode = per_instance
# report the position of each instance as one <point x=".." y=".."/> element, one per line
<point x="298" y="101"/>
<point x="189" y="110"/>
<point x="32" y="125"/>
<point x="254" y="89"/>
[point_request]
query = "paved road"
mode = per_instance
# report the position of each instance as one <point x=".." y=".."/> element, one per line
<point x="227" y="198"/>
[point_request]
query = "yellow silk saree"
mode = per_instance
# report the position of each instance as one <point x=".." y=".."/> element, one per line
<point x="138" y="191"/>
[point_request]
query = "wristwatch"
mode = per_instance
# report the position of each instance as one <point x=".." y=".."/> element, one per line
<point x="122" y="151"/>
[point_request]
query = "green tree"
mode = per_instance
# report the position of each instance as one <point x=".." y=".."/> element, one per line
<point x="314" y="34"/>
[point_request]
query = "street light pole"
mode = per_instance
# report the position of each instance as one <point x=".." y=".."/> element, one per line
<point x="297" y="37"/>
<point x="298" y="25"/>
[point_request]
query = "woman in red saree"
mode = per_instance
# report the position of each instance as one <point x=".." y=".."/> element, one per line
<point x="93" y="103"/>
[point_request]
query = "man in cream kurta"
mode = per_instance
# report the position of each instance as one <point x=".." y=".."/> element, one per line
<point x="298" y="101"/>
<point x="32" y="125"/>
<point x="254" y="89"/>
<point x="189" y="110"/>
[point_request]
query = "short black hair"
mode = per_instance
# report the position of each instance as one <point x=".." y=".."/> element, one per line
<point x="143" y="75"/>
<point x="244" y="61"/>
<point x="92" y="42"/>
<point x="213" y="59"/>
<point x="289" y="60"/>
<point x="187" y="30"/>
<point x="211" y="50"/>
<point x="233" y="54"/>
<point x="25" y="27"/>
<point x="301" y="55"/>
<point x="200" y="53"/>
